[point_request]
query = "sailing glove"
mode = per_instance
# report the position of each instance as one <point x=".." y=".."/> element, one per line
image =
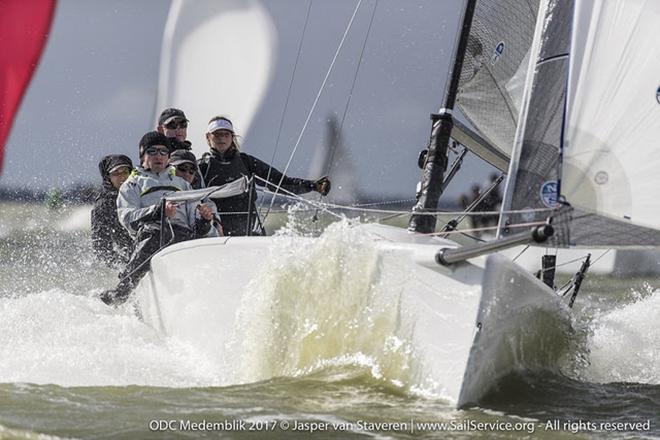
<point x="322" y="186"/>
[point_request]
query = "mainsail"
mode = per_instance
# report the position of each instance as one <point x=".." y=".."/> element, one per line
<point x="494" y="68"/>
<point x="592" y="152"/>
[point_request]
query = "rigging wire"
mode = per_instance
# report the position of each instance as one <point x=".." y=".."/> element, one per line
<point x="350" y="93"/>
<point x="315" y="103"/>
<point x="338" y="135"/>
<point x="326" y="207"/>
<point x="521" y="252"/>
<point x="288" y="94"/>
<point x="601" y="256"/>
<point x="287" y="194"/>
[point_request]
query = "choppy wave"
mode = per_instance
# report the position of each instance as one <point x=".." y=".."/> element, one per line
<point x="55" y="337"/>
<point x="31" y="217"/>
<point x="623" y="346"/>
<point x="320" y="307"/>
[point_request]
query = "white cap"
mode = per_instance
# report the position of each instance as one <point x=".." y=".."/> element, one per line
<point x="219" y="124"/>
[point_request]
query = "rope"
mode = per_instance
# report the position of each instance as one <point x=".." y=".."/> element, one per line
<point x="335" y="142"/>
<point x="521" y="252"/>
<point x="385" y="202"/>
<point x="601" y="256"/>
<point x="390" y="211"/>
<point x="296" y="197"/>
<point x="288" y="94"/>
<point x="325" y="207"/>
<point x="350" y="94"/>
<point x="566" y="263"/>
<point x="316" y="100"/>
<point x="488" y="228"/>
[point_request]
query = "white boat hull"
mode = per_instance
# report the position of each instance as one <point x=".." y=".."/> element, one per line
<point x="262" y="307"/>
<point x="522" y="324"/>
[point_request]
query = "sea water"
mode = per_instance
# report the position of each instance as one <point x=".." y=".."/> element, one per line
<point x="70" y="367"/>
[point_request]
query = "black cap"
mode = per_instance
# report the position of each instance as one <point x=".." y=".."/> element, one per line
<point x="153" y="138"/>
<point x="182" y="156"/>
<point x="170" y="114"/>
<point x="112" y="162"/>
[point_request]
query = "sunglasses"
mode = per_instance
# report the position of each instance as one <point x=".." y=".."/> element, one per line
<point x="125" y="171"/>
<point x="221" y="133"/>
<point x="186" y="169"/>
<point x="173" y="125"/>
<point x="152" y="151"/>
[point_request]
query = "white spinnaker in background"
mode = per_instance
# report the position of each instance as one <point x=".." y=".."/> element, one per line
<point x="235" y="40"/>
<point x="611" y="154"/>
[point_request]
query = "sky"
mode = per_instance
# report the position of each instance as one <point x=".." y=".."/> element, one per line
<point x="95" y="90"/>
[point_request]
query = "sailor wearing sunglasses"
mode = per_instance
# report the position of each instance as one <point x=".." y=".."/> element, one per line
<point x="151" y="223"/>
<point x="173" y="123"/>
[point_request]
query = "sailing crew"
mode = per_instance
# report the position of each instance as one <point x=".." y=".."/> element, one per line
<point x="173" y="123"/>
<point x="225" y="163"/>
<point x="184" y="164"/>
<point x="110" y="241"/>
<point x="152" y="223"/>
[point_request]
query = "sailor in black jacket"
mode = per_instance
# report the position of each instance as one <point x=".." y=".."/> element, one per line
<point x="110" y="241"/>
<point x="225" y="163"/>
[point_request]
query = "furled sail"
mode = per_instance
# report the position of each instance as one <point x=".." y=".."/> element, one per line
<point x="611" y="154"/>
<point x="494" y="68"/>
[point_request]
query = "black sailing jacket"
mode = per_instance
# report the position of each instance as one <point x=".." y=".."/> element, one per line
<point x="110" y="241"/>
<point x="219" y="169"/>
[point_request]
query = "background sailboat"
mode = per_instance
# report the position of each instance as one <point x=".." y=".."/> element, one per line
<point x="216" y="57"/>
<point x="333" y="159"/>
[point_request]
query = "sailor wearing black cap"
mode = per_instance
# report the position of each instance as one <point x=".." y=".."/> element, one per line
<point x="184" y="163"/>
<point x="110" y="241"/>
<point x="173" y="123"/>
<point x="141" y="212"/>
<point x="185" y="166"/>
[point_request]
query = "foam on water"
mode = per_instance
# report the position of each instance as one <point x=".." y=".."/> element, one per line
<point x="54" y="337"/>
<point x="328" y="302"/>
<point x="624" y="343"/>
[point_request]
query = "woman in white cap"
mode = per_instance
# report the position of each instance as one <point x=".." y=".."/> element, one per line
<point x="225" y="163"/>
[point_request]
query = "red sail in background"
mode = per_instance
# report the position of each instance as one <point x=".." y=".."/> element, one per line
<point x="24" y="26"/>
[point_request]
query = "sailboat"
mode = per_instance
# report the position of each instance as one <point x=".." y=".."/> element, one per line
<point x="443" y="318"/>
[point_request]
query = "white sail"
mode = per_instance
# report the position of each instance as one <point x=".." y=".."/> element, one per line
<point x="611" y="153"/>
<point x="215" y="52"/>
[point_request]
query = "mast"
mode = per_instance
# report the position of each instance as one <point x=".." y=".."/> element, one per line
<point x="436" y="159"/>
